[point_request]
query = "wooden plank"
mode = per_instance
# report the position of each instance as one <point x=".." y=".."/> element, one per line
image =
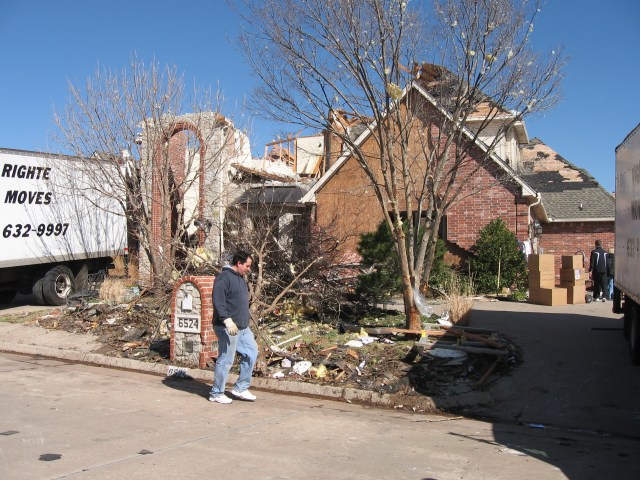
<point x="444" y="331"/>
<point x="489" y="351"/>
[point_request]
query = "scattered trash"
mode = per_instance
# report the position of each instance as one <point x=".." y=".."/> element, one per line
<point x="287" y="341"/>
<point x="444" y="320"/>
<point x="446" y="353"/>
<point x="321" y="371"/>
<point x="424" y="309"/>
<point x="301" y="367"/>
<point x="375" y="356"/>
<point x="133" y="334"/>
<point x="536" y="425"/>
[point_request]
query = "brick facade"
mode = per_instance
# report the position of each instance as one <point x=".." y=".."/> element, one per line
<point x="346" y="204"/>
<point x="494" y="199"/>
<point x="563" y="238"/>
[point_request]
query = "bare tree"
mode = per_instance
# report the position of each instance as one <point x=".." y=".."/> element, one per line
<point x="289" y="256"/>
<point x="169" y="183"/>
<point x="318" y="58"/>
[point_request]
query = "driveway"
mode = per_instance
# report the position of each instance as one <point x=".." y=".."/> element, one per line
<point x="576" y="371"/>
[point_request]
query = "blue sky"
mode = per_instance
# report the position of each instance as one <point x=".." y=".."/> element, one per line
<point x="43" y="44"/>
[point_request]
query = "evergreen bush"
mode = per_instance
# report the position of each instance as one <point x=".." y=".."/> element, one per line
<point x="497" y="261"/>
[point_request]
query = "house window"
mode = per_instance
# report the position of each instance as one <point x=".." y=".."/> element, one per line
<point x="442" y="229"/>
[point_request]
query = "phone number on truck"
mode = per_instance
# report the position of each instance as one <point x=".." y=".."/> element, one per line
<point x="47" y="229"/>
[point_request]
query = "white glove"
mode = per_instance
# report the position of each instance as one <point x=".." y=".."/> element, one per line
<point x="232" y="328"/>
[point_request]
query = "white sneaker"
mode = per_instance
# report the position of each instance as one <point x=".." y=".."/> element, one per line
<point x="246" y="395"/>
<point x="220" y="399"/>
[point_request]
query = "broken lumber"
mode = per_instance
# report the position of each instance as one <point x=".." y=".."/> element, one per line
<point x="487" y="374"/>
<point x="422" y="347"/>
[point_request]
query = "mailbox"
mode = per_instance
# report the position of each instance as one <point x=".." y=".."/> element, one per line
<point x="193" y="340"/>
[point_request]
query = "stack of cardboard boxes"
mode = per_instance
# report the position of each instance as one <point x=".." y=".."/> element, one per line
<point x="572" y="277"/>
<point x="542" y="282"/>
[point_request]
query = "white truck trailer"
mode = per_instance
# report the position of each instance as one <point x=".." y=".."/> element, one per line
<point x="627" y="250"/>
<point x="57" y="224"/>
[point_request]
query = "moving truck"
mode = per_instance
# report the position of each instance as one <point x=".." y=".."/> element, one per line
<point x="58" y="223"/>
<point x="627" y="250"/>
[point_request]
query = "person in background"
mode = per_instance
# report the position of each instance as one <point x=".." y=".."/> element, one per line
<point x="611" y="269"/>
<point x="231" y="325"/>
<point x="598" y="269"/>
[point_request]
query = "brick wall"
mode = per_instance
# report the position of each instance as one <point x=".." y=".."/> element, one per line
<point x="493" y="200"/>
<point x="204" y="284"/>
<point x="563" y="238"/>
<point x="162" y="212"/>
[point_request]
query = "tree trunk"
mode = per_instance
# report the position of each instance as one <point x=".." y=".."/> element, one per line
<point x="412" y="316"/>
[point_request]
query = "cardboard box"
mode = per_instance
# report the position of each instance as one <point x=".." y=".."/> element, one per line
<point x="572" y="261"/>
<point x="576" y="294"/>
<point x="572" y="276"/>
<point x="548" y="296"/>
<point x="542" y="262"/>
<point x="544" y="279"/>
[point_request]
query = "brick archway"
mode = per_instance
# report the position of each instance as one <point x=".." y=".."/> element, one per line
<point x="168" y="173"/>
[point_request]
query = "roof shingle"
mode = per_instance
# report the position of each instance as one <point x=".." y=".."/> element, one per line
<point x="567" y="192"/>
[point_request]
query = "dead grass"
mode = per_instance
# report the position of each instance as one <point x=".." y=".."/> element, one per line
<point x="114" y="290"/>
<point x="119" y="269"/>
<point x="22" y="317"/>
<point x="459" y="292"/>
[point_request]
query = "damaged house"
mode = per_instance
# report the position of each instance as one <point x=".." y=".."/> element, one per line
<point x="548" y="203"/>
<point x="311" y="183"/>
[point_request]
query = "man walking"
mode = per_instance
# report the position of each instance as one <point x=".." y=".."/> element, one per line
<point x="598" y="269"/>
<point x="231" y="325"/>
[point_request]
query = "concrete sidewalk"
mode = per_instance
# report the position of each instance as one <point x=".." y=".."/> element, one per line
<point x="37" y="341"/>
<point x="576" y="373"/>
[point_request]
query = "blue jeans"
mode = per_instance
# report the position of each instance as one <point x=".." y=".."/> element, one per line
<point x="244" y="344"/>
<point x="610" y="288"/>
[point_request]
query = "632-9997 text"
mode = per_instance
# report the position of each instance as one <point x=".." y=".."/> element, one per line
<point x="26" y="230"/>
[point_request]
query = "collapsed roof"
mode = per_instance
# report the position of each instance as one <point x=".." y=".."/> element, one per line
<point x="568" y="193"/>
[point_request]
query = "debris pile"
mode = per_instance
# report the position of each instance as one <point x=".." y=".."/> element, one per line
<point x="438" y="360"/>
<point x="126" y="330"/>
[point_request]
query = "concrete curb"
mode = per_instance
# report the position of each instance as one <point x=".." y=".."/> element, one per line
<point x="351" y="395"/>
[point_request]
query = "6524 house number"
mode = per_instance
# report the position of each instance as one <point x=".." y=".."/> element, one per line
<point x="187" y="323"/>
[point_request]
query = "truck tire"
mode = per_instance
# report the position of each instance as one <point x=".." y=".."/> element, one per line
<point x="37" y="292"/>
<point x="634" y="335"/>
<point x="57" y="284"/>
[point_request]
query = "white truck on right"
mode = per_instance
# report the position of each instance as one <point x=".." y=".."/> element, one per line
<point x="626" y="298"/>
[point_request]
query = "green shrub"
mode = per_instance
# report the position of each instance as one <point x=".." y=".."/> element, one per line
<point x="378" y="251"/>
<point x="497" y="261"/>
<point x="440" y="272"/>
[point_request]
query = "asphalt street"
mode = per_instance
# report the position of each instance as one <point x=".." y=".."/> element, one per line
<point x="67" y="420"/>
<point x="570" y="410"/>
